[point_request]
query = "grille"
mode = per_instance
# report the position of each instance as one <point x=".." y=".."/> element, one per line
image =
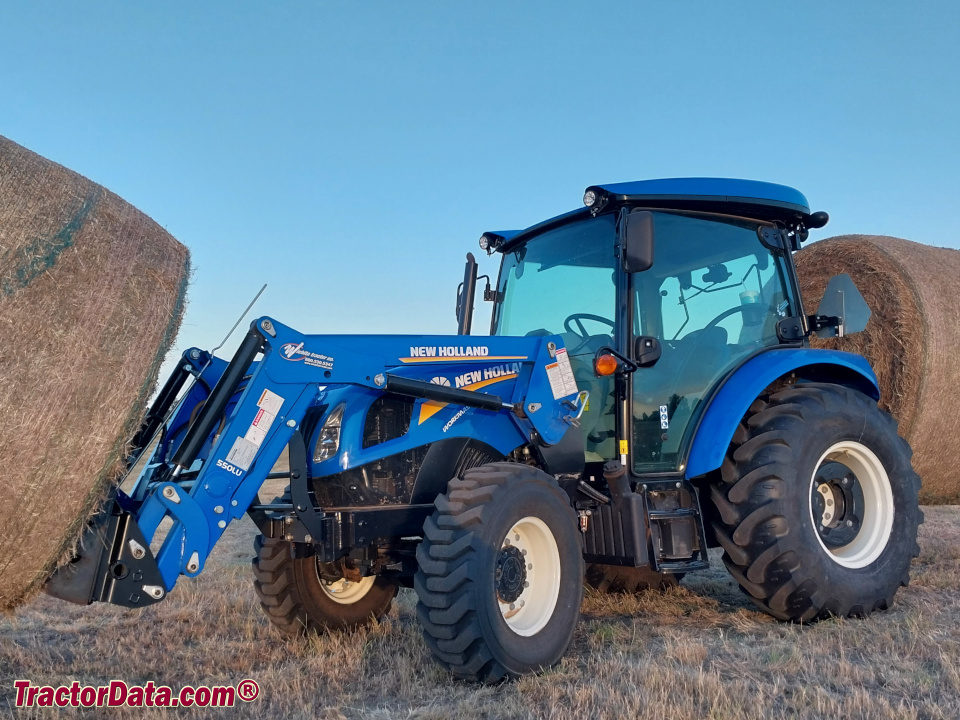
<point x="387" y="419"/>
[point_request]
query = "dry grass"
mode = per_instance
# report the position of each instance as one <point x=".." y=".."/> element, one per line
<point x="699" y="651"/>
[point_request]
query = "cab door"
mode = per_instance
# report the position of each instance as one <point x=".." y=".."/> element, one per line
<point x="712" y="298"/>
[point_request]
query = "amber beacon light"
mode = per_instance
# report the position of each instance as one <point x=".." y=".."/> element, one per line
<point x="605" y="365"/>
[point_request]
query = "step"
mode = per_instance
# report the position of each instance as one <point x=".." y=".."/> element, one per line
<point x="672" y="514"/>
<point x="682" y="566"/>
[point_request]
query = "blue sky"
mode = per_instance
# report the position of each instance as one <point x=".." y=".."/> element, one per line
<point x="349" y="154"/>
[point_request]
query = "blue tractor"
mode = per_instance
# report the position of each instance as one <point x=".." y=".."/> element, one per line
<point x="647" y="391"/>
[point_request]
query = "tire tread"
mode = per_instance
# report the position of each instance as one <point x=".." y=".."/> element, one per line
<point x="750" y="496"/>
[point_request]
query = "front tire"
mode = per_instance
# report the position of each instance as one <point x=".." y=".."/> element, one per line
<point x="818" y="504"/>
<point x="298" y="601"/>
<point x="500" y="573"/>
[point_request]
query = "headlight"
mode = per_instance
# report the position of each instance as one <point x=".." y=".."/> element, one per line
<point x="329" y="440"/>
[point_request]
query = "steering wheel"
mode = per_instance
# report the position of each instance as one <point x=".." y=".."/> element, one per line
<point x="578" y="319"/>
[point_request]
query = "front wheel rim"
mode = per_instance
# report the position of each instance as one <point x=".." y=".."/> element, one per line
<point x="871" y="516"/>
<point x="527" y="576"/>
<point x="346" y="592"/>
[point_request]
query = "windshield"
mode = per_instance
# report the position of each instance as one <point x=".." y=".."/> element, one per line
<point x="560" y="283"/>
<point x="564" y="283"/>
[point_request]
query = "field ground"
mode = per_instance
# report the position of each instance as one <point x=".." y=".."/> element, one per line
<point x="698" y="651"/>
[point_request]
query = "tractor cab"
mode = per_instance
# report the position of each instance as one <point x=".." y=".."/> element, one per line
<point x="659" y="289"/>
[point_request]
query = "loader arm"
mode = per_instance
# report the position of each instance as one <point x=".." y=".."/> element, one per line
<point x="221" y="444"/>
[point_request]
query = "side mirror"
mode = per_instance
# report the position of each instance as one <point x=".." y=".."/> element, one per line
<point x="638" y="241"/>
<point x="647" y="351"/>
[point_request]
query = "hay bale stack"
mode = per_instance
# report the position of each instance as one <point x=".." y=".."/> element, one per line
<point x="912" y="339"/>
<point x="91" y="296"/>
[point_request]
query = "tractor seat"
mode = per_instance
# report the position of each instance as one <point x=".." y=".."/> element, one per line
<point x="687" y="367"/>
<point x="700" y="355"/>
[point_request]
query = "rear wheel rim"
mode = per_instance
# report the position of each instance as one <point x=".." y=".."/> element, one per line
<point x="851" y="504"/>
<point x="527" y="576"/>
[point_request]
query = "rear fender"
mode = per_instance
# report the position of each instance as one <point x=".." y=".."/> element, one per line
<point x="731" y="402"/>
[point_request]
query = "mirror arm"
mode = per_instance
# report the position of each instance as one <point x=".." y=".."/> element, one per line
<point x="790" y="329"/>
<point x="488" y="294"/>
<point x="820" y="322"/>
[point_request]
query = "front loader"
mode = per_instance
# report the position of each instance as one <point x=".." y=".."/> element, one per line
<point x="647" y="391"/>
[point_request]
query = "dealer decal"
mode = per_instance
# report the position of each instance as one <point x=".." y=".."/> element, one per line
<point x="296" y="352"/>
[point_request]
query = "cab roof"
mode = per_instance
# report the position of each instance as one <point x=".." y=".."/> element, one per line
<point x="750" y="198"/>
<point x="716" y="190"/>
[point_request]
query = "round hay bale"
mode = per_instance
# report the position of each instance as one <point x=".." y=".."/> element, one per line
<point x="91" y="296"/>
<point x="912" y="339"/>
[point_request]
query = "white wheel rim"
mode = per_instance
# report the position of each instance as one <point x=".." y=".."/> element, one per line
<point x="347" y="592"/>
<point x="527" y="614"/>
<point x="877" y="523"/>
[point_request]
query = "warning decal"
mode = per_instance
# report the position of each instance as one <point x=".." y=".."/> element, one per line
<point x="245" y="448"/>
<point x="242" y="453"/>
<point x="257" y="432"/>
<point x="560" y="375"/>
<point x="270" y="401"/>
<point x="269" y="404"/>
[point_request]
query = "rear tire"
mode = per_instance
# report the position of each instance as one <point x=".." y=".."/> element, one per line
<point x="500" y="576"/>
<point x="818" y="504"/>
<point x="618" y="579"/>
<point x="298" y="601"/>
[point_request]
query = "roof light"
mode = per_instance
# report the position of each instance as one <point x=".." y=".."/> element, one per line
<point x="605" y="365"/>
<point x="590" y="198"/>
<point x="490" y="241"/>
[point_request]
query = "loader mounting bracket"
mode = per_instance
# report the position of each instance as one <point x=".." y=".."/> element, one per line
<point x="113" y="564"/>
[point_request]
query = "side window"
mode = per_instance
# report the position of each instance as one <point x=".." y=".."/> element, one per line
<point x="713" y="298"/>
